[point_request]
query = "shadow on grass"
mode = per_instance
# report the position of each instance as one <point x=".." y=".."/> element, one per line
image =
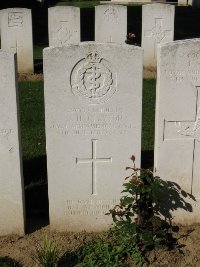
<point x="38" y="66"/>
<point x="36" y="193"/>
<point x="69" y="259"/>
<point x="8" y="262"/>
<point x="147" y="158"/>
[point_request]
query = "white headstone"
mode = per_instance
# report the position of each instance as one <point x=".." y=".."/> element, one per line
<point x="93" y="101"/>
<point x="16" y="36"/>
<point x="182" y="2"/>
<point x="11" y="183"/>
<point x="157" y="28"/>
<point x="177" y="142"/>
<point x="110" y="23"/>
<point x="64" y="25"/>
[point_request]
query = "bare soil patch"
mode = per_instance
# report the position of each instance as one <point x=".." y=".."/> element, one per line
<point x="30" y="77"/>
<point x="149" y="73"/>
<point x="23" y="249"/>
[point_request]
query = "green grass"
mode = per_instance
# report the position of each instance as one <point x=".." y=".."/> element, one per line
<point x="81" y="4"/>
<point x="37" y="52"/>
<point x="148" y="116"/>
<point x="88" y="4"/>
<point x="32" y="119"/>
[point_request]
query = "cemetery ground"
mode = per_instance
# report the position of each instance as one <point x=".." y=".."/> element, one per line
<point x="23" y="250"/>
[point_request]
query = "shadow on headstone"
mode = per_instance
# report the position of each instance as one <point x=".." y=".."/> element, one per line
<point x="172" y="199"/>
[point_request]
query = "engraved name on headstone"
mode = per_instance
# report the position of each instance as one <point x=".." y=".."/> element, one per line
<point x="93" y="126"/>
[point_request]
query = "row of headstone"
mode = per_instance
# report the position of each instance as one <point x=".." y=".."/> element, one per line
<point x="16" y="36"/>
<point x="93" y="112"/>
<point x="111" y="26"/>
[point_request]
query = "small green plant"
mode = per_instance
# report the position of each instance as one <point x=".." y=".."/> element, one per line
<point x="49" y="254"/>
<point x="142" y="222"/>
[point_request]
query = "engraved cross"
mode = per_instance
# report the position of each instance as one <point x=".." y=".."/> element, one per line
<point x="94" y="160"/>
<point x="158" y="33"/>
<point x="186" y="129"/>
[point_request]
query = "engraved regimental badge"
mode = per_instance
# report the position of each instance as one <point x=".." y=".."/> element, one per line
<point x="93" y="79"/>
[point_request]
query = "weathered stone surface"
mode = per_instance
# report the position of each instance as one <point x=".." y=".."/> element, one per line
<point x="11" y="182"/>
<point x="16" y="36"/>
<point x="182" y="2"/>
<point x="64" y="25"/>
<point x="157" y="28"/>
<point x="177" y="135"/>
<point x="110" y="23"/>
<point x="93" y="104"/>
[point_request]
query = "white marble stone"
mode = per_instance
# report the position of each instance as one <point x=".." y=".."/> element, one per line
<point x="182" y="2"/>
<point x="64" y="25"/>
<point x="11" y="182"/>
<point x="16" y="36"/>
<point x="110" y="23"/>
<point x="157" y="28"/>
<point x="93" y="105"/>
<point x="177" y="135"/>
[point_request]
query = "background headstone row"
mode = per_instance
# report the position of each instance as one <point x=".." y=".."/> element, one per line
<point x="64" y="28"/>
